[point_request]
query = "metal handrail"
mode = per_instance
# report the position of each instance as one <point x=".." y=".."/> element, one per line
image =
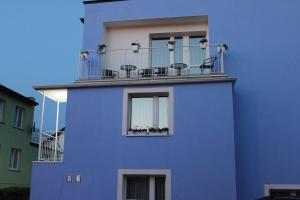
<point x="93" y="62"/>
<point x="50" y="150"/>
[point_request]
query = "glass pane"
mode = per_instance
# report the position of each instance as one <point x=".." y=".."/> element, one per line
<point x="18" y="118"/>
<point x="137" y="188"/>
<point x="141" y="113"/>
<point x="14" y="159"/>
<point x="160" y="55"/>
<point x="178" y="50"/>
<point x="163" y="112"/>
<point x="15" y="163"/>
<point x="197" y="54"/>
<point x="160" y="188"/>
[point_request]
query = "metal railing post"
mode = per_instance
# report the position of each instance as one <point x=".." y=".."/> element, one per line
<point x="56" y="131"/>
<point x="41" y="127"/>
<point x="221" y="59"/>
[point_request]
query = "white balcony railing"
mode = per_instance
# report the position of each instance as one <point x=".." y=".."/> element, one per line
<point x="152" y="62"/>
<point x="51" y="147"/>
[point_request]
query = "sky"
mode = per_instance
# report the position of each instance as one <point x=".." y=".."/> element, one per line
<point x="40" y="43"/>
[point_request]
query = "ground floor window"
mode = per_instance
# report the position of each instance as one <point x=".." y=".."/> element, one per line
<point x="144" y="185"/>
<point x="282" y="191"/>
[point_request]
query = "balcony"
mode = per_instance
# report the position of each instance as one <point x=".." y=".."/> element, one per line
<point x="51" y="143"/>
<point x="170" y="60"/>
<point x="35" y="136"/>
<point x="51" y="146"/>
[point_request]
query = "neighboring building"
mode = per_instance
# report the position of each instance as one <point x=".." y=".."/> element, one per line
<point x="17" y="146"/>
<point x="157" y="113"/>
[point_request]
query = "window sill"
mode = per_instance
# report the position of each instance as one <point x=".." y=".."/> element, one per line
<point x="14" y="170"/>
<point x="148" y="134"/>
<point x="19" y="128"/>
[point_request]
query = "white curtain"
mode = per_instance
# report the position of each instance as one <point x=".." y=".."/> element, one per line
<point x="163" y="112"/>
<point x="142" y="113"/>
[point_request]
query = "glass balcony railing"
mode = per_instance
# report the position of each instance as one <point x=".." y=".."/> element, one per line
<point x="155" y="62"/>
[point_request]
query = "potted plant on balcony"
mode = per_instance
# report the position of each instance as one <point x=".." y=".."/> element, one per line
<point x="158" y="130"/>
<point x="135" y="47"/>
<point x="171" y="45"/>
<point x="102" y="49"/>
<point x="84" y="55"/>
<point x="138" y="130"/>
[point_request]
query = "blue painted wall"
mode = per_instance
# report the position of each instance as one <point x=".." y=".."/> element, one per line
<point x="200" y="154"/>
<point x="264" y="56"/>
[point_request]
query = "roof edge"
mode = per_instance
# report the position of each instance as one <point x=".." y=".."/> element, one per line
<point x="17" y="95"/>
<point x="100" y="1"/>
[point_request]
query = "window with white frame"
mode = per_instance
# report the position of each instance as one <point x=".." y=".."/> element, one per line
<point x="15" y="159"/>
<point x="148" y="113"/>
<point x="18" y="123"/>
<point x="140" y="187"/>
<point x="137" y="184"/>
<point x="187" y="50"/>
<point x="282" y="190"/>
<point x="2" y="103"/>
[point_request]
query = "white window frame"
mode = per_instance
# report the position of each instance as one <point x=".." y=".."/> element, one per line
<point x="2" y="110"/>
<point x="268" y="187"/>
<point x="22" y="111"/>
<point x="186" y="44"/>
<point x="15" y="152"/>
<point x="122" y="173"/>
<point x="127" y="92"/>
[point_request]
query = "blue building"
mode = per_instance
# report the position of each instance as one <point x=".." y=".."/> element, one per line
<point x="178" y="100"/>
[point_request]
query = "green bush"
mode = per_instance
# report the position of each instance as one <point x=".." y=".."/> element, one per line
<point x="14" y="193"/>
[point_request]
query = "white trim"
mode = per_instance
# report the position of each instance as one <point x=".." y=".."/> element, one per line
<point x="123" y="172"/>
<point x="41" y="125"/>
<point x="147" y="90"/>
<point x="268" y="187"/>
<point x="56" y="129"/>
<point x="152" y="187"/>
<point x="155" y="111"/>
<point x="186" y="49"/>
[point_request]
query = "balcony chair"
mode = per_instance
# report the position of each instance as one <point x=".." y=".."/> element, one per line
<point x="208" y="65"/>
<point x="149" y="72"/>
<point x="161" y="71"/>
<point x="108" y="73"/>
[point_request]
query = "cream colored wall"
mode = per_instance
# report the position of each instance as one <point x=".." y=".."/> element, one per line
<point x="122" y="37"/>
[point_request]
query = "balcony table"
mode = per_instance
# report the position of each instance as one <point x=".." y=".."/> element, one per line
<point x="128" y="69"/>
<point x="179" y="67"/>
